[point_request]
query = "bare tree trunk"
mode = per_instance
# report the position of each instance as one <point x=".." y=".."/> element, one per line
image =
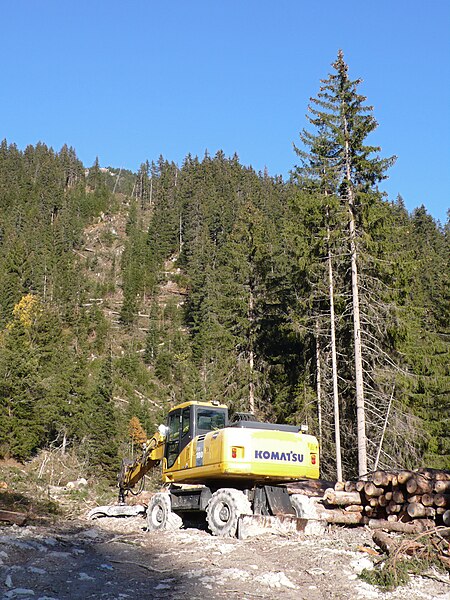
<point x="377" y="459"/>
<point x="251" y="390"/>
<point x="180" y="234"/>
<point x="319" y="383"/>
<point x="251" y="398"/>
<point x="117" y="181"/>
<point x="337" y="432"/>
<point x="45" y="284"/>
<point x="360" y="407"/>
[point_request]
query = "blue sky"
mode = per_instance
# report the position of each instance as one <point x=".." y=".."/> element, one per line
<point x="128" y="81"/>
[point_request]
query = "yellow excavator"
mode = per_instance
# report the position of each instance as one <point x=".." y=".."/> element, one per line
<point x="223" y="469"/>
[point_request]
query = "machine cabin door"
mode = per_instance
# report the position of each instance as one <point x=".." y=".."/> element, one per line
<point x="185" y="424"/>
<point x="187" y="433"/>
<point x="180" y="433"/>
<point x="172" y="449"/>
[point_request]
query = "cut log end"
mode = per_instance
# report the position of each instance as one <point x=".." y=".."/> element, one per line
<point x="341" y="498"/>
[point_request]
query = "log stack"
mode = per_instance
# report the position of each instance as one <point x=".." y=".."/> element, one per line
<point x="395" y="500"/>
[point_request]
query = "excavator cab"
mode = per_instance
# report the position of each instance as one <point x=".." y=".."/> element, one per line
<point x="185" y="422"/>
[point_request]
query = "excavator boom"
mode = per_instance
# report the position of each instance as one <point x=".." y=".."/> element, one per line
<point x="134" y="471"/>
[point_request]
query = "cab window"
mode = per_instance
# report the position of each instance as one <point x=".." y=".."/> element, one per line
<point x="173" y="438"/>
<point x="185" y="421"/>
<point x="209" y="420"/>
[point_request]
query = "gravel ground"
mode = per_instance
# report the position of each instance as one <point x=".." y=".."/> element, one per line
<point x="113" y="558"/>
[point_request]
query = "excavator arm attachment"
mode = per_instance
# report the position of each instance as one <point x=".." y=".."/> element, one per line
<point x="133" y="471"/>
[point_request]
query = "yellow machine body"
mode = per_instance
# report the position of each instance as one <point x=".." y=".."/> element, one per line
<point x="253" y="454"/>
<point x="248" y="450"/>
<point x="199" y="446"/>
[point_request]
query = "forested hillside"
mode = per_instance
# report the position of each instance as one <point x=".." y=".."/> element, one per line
<point x="122" y="294"/>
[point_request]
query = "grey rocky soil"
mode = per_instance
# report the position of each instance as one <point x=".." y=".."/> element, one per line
<point x="114" y="558"/>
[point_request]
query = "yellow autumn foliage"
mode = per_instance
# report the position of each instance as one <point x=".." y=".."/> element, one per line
<point x="26" y="310"/>
<point x="136" y="431"/>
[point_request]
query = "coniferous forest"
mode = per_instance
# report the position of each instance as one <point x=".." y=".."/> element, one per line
<point x="313" y="300"/>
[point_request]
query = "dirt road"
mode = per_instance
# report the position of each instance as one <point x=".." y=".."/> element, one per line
<point x="117" y="559"/>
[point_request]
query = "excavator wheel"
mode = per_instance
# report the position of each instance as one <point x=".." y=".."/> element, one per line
<point x="224" y="509"/>
<point x="160" y="514"/>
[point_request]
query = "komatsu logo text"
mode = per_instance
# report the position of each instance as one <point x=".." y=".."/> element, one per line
<point x="287" y="456"/>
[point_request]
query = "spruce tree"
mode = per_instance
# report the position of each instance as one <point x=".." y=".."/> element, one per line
<point x="100" y="423"/>
<point x="342" y="164"/>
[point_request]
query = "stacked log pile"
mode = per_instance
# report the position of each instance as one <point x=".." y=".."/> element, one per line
<point x="395" y="500"/>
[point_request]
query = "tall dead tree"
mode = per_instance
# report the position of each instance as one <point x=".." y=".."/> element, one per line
<point x="337" y="428"/>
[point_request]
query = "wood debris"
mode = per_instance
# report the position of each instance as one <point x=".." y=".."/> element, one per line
<point x="431" y="546"/>
<point x="13" y="517"/>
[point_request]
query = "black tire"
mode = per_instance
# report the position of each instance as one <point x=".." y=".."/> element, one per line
<point x="224" y="509"/>
<point x="160" y="515"/>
